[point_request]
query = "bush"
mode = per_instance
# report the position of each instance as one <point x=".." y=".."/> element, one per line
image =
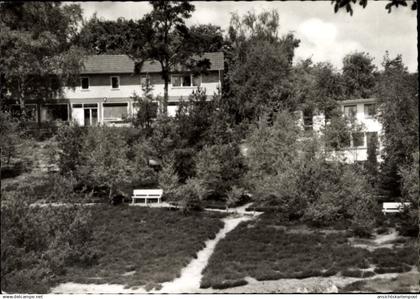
<point x="38" y="243"/>
<point x="69" y="147"/>
<point x="168" y="180"/>
<point x="219" y="167"/>
<point x="190" y="196"/>
<point x="9" y="137"/>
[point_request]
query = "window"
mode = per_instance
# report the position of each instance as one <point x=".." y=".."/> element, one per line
<point x="350" y="111"/>
<point x="115" y="82"/>
<point x="186" y="80"/>
<point x="370" y="110"/>
<point x="85" y="82"/>
<point x="55" y="112"/>
<point x="358" y="139"/>
<point x="115" y="111"/>
<point x="307" y="120"/>
<point x="77" y="105"/>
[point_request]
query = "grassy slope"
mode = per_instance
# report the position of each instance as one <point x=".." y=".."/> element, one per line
<point x="268" y="253"/>
<point x="155" y="243"/>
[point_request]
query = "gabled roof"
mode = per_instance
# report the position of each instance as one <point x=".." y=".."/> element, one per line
<point x="120" y="64"/>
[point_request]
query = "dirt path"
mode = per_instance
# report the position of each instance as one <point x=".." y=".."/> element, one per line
<point x="189" y="281"/>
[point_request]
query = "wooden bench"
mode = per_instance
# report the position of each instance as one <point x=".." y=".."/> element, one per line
<point x="394" y="207"/>
<point x="147" y="194"/>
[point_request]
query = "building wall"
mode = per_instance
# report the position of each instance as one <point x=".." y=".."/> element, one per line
<point x="100" y="86"/>
<point x="369" y="124"/>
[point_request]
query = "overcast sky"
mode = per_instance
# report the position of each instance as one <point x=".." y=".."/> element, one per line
<point x="324" y="35"/>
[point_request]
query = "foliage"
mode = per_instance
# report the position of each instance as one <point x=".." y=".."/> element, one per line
<point x="69" y="147"/>
<point x="339" y="4"/>
<point x="40" y="58"/>
<point x="219" y="167"/>
<point x="146" y="110"/>
<point x="144" y="175"/>
<point x="166" y="40"/>
<point x="372" y="165"/>
<point x="259" y="64"/>
<point x="104" y="159"/>
<point x="38" y="244"/>
<point x="358" y="75"/>
<point x="410" y="193"/>
<point x="168" y="179"/>
<point x="293" y="176"/>
<point x="399" y="116"/>
<point x="264" y="250"/>
<point x="235" y="196"/>
<point x="155" y="244"/>
<point x="98" y="36"/>
<point x="9" y="137"/>
<point x="190" y="195"/>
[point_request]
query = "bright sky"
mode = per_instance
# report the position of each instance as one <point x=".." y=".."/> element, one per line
<point x="324" y="35"/>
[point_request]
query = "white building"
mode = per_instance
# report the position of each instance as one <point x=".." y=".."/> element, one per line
<point x="108" y="82"/>
<point x="365" y="114"/>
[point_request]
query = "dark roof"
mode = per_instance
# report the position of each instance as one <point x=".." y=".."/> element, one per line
<point x="119" y="64"/>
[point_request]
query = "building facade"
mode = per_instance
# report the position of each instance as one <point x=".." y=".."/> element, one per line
<point x="364" y="113"/>
<point x="108" y="83"/>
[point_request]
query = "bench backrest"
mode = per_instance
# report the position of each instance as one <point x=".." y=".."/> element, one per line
<point x="148" y="192"/>
<point x="394" y="205"/>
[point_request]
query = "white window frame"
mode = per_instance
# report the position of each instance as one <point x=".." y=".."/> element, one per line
<point x="182" y="80"/>
<point x="81" y="85"/>
<point x="119" y="82"/>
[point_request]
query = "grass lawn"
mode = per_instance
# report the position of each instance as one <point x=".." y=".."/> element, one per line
<point x="144" y="246"/>
<point x="271" y="252"/>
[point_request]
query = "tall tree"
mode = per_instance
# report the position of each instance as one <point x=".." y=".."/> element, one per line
<point x="358" y="75"/>
<point x="37" y="59"/>
<point x="398" y="96"/>
<point x="99" y="36"/>
<point x="166" y="41"/>
<point x="260" y="63"/>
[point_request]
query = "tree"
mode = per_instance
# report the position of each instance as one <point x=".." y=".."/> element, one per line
<point x="339" y="4"/>
<point x="38" y="59"/>
<point x="104" y="160"/>
<point x="207" y="38"/>
<point x="398" y="98"/>
<point x="99" y="36"/>
<point x="358" y="75"/>
<point x="219" y="167"/>
<point x="259" y="65"/>
<point x="146" y="108"/>
<point x="166" y="40"/>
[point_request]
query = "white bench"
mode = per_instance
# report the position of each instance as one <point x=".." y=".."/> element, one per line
<point x="147" y="194"/>
<point x="394" y="207"/>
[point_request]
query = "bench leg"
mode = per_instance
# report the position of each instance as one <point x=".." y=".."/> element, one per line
<point x="145" y="201"/>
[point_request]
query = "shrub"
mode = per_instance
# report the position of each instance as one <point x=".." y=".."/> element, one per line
<point x="104" y="161"/>
<point x="410" y="193"/>
<point x="235" y="196"/>
<point x="168" y="180"/>
<point x="219" y="167"/>
<point x="190" y="196"/>
<point x="69" y="147"/>
<point x="9" y="137"/>
<point x="38" y="243"/>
